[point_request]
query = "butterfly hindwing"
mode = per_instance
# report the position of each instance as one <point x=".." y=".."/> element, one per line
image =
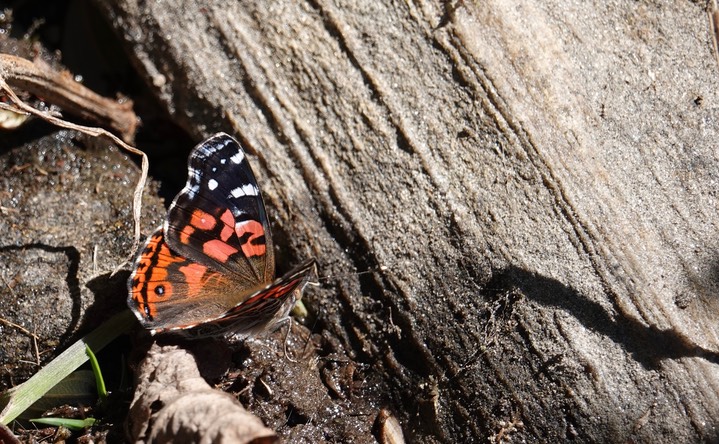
<point x="265" y="307"/>
<point x="170" y="291"/>
<point x="219" y="218"/>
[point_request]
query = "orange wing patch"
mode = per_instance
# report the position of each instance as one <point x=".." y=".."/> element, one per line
<point x="229" y="220"/>
<point x="218" y="250"/>
<point x="199" y="220"/>
<point x="248" y="232"/>
<point x="149" y="283"/>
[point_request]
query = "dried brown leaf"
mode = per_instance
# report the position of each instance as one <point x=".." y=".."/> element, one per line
<point x="173" y="403"/>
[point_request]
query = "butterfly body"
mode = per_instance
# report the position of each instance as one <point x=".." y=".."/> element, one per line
<point x="209" y="269"/>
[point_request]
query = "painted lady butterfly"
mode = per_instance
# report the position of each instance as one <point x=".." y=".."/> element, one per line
<point x="210" y="267"/>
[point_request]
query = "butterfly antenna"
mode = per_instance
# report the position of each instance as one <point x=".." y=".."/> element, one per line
<point x="344" y="275"/>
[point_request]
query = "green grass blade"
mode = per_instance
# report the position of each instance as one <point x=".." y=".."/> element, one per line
<point x="72" y="424"/>
<point x="14" y="401"/>
<point x="99" y="380"/>
<point x="77" y="389"/>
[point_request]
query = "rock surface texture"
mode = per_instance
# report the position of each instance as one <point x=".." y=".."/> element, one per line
<point x="514" y="205"/>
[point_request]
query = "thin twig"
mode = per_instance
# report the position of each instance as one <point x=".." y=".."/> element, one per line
<point x="12" y="292"/>
<point x="14" y="325"/>
<point x="26" y="332"/>
<point x="36" y="348"/>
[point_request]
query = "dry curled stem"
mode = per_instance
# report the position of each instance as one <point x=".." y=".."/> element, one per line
<point x="174" y="404"/>
<point x="14" y="70"/>
<point x="59" y="88"/>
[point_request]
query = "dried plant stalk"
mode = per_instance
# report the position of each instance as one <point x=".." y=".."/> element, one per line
<point x="61" y="89"/>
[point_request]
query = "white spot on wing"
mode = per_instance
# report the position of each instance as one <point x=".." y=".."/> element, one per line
<point x="237" y="158"/>
<point x="245" y="190"/>
<point x="192" y="188"/>
<point x="212" y="184"/>
<point x="191" y="191"/>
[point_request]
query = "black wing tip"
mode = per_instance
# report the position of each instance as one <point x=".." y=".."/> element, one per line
<point x="221" y="139"/>
<point x="217" y="142"/>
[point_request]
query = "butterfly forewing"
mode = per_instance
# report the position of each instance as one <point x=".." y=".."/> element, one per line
<point x="219" y="218"/>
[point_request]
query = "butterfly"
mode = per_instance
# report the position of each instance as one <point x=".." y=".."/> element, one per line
<point x="209" y="270"/>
